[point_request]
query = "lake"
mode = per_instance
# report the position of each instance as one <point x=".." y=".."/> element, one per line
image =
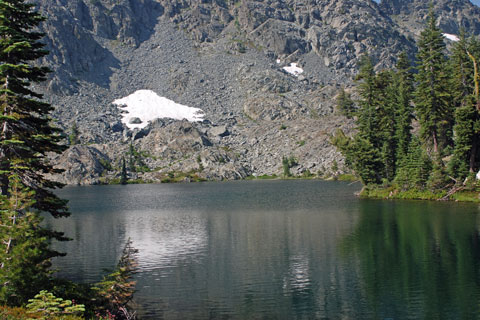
<point x="277" y="250"/>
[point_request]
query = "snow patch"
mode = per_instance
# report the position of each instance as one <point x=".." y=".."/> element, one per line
<point x="294" y="69"/>
<point x="451" y="37"/>
<point x="147" y="106"/>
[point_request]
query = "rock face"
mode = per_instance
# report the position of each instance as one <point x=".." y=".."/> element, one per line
<point x="452" y="15"/>
<point x="82" y="165"/>
<point x="226" y="58"/>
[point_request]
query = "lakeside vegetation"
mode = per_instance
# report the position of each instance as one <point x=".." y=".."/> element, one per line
<point x="418" y="128"/>
<point x="28" y="289"/>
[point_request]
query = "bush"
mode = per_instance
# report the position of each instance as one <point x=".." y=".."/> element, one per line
<point x="48" y="306"/>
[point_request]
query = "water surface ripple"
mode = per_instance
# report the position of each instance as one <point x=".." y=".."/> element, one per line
<point x="277" y="250"/>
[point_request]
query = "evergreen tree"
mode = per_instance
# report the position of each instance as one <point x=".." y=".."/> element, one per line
<point x="74" y="133"/>
<point x="403" y="82"/>
<point x="26" y="135"/>
<point x="467" y="118"/>
<point x="123" y="175"/>
<point x="345" y="104"/>
<point x="131" y="157"/>
<point x="414" y="168"/>
<point x="432" y="95"/>
<point x="367" y="163"/>
<point x="367" y="114"/>
<point x="386" y="115"/>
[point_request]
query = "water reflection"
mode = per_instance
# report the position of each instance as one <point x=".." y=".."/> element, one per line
<point x="278" y="250"/>
<point x="418" y="260"/>
<point x="166" y="239"/>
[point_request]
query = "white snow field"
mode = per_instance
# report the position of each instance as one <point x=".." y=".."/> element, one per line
<point x="451" y="37"/>
<point x="148" y="106"/>
<point x="294" y="69"/>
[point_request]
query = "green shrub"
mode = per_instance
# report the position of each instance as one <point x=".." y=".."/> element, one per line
<point x="48" y="306"/>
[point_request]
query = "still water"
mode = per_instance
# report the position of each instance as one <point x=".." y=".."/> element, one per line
<point x="277" y="250"/>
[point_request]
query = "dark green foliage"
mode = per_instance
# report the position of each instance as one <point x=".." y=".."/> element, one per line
<point x="135" y="160"/>
<point x="414" y="167"/>
<point x="343" y="144"/>
<point x="123" y="174"/>
<point x="286" y="167"/>
<point x="26" y="136"/>
<point x="447" y="107"/>
<point x="433" y="98"/>
<point x="403" y="82"/>
<point x="287" y="164"/>
<point x="131" y="157"/>
<point x="438" y="179"/>
<point x="467" y="117"/>
<point x="361" y="156"/>
<point x="367" y="114"/>
<point x="466" y="139"/>
<point x="367" y="164"/>
<point x="345" y="104"/>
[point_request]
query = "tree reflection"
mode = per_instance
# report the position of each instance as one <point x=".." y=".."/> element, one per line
<point x="418" y="260"/>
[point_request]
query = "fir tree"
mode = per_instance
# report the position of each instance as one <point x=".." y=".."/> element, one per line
<point x="386" y="115"/>
<point x="467" y="118"/>
<point x="432" y="95"/>
<point x="26" y="135"/>
<point x="123" y="174"/>
<point x="414" y="168"/>
<point x="403" y="82"/>
<point x="367" y="163"/>
<point x="367" y="114"/>
<point x="131" y="157"/>
<point x="345" y="104"/>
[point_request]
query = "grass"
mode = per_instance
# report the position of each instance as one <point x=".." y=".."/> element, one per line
<point x="347" y="177"/>
<point x="467" y="196"/>
<point x="391" y="192"/>
<point x="262" y="177"/>
<point x="173" y="177"/>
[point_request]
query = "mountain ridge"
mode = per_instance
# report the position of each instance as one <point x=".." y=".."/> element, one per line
<point x="221" y="57"/>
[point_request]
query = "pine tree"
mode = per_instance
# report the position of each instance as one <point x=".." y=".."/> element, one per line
<point x="26" y="135"/>
<point x="432" y="95"/>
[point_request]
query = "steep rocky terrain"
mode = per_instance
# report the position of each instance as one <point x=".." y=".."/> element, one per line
<point x="226" y="58"/>
<point x="453" y="15"/>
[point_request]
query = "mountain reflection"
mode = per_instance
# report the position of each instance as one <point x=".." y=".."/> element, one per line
<point x="277" y="250"/>
<point x="418" y="260"/>
<point x="167" y="238"/>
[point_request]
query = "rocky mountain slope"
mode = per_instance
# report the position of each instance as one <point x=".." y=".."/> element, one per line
<point x="452" y="15"/>
<point x="226" y="58"/>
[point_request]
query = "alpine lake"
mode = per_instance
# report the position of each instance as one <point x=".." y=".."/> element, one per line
<point x="280" y="249"/>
